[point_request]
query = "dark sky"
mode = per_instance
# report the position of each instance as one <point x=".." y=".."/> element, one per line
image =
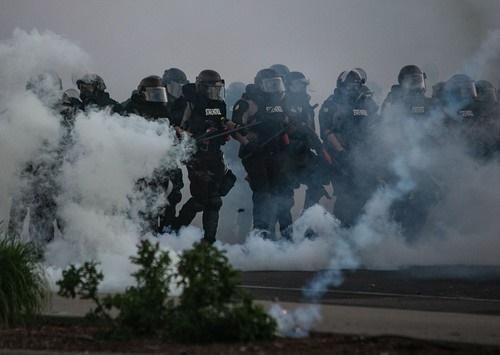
<point x="130" y="39"/>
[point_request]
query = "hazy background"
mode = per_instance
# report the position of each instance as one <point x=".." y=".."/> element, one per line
<point x="130" y="39"/>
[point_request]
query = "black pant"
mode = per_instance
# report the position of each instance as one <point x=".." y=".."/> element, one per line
<point x="206" y="172"/>
<point x="272" y="194"/>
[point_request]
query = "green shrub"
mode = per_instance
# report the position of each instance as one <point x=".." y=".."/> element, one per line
<point x="84" y="282"/>
<point x="142" y="309"/>
<point x="210" y="308"/>
<point x="23" y="286"/>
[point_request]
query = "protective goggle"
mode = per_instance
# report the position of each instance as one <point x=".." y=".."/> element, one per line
<point x="273" y="85"/>
<point x="413" y="82"/>
<point x="155" y="94"/>
<point x="174" y="89"/>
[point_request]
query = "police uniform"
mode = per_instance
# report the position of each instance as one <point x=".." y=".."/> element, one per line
<point x="207" y="171"/>
<point x="263" y="159"/>
<point x="162" y="179"/>
<point x="348" y="120"/>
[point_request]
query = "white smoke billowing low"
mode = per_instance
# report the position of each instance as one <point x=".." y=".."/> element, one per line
<point x="25" y="123"/>
<point x="98" y="204"/>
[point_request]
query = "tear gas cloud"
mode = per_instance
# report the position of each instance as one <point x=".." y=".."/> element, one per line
<point x="98" y="203"/>
<point x="98" y="208"/>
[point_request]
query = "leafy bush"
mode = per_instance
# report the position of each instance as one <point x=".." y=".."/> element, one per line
<point x="210" y="308"/>
<point x="142" y="308"/>
<point x="23" y="286"/>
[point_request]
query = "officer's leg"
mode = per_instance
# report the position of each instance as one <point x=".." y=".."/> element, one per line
<point x="173" y="199"/>
<point x="284" y="201"/>
<point x="259" y="183"/>
<point x="344" y="207"/>
<point x="211" y="218"/>
<point x="188" y="212"/>
<point x="198" y="187"/>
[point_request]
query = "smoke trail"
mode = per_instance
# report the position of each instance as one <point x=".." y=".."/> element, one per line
<point x="98" y="205"/>
<point x="26" y="124"/>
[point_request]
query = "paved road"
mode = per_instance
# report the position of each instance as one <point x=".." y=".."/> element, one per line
<point x="441" y="289"/>
<point x="453" y="304"/>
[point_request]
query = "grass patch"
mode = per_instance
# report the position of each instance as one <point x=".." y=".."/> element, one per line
<point x="23" y="286"/>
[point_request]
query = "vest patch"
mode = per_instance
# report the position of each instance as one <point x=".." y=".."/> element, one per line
<point x="274" y="109"/>
<point x="466" y="113"/>
<point x="213" y="112"/>
<point x="418" y="109"/>
<point x="359" y="112"/>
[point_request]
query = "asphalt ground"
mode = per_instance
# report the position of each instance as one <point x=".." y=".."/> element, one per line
<point x="455" y="289"/>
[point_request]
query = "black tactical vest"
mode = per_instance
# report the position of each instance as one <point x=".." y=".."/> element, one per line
<point x="207" y="117"/>
<point x="271" y="116"/>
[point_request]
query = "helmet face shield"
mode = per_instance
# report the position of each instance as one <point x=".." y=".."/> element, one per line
<point x="174" y="89"/>
<point x="155" y="94"/>
<point x="466" y="91"/>
<point x="413" y="81"/>
<point x="213" y="90"/>
<point x="86" y="89"/>
<point x="298" y="86"/>
<point x="487" y="95"/>
<point x="273" y="85"/>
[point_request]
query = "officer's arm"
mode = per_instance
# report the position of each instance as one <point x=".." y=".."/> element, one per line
<point x="326" y="118"/>
<point x="243" y="111"/>
<point x="186" y="117"/>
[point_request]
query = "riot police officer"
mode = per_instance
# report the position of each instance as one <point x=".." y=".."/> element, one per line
<point x="344" y="118"/>
<point x="262" y="151"/>
<point x="407" y="98"/>
<point x="93" y="94"/>
<point x="487" y="99"/>
<point x="280" y="69"/>
<point x="205" y="119"/>
<point x="150" y="102"/>
<point x="306" y="158"/>
<point x="237" y="209"/>
<point x="174" y="79"/>
<point x="36" y="201"/>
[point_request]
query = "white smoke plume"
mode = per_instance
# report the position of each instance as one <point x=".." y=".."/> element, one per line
<point x="26" y="124"/>
<point x="485" y="64"/>
<point x="97" y="203"/>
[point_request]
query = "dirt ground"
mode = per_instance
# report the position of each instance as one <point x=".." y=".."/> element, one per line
<point x="63" y="335"/>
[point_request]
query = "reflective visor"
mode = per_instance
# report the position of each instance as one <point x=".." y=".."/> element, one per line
<point x="299" y="85"/>
<point x="487" y="95"/>
<point x="273" y="85"/>
<point x="155" y="94"/>
<point x="413" y="82"/>
<point x="215" y="91"/>
<point x="466" y="91"/>
<point x="86" y="88"/>
<point x="174" y="89"/>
